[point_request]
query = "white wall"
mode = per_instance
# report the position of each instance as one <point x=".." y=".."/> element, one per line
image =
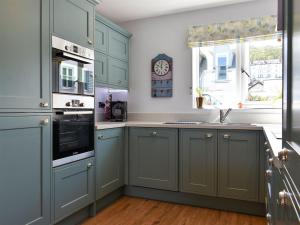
<point x="168" y="34"/>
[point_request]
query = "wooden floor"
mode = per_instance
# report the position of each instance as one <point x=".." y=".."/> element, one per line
<point x="135" y="211"/>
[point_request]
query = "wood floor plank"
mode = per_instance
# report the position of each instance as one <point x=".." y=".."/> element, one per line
<point x="136" y="211"/>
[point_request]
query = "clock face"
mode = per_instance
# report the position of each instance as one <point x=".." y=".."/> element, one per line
<point x="161" y="67"/>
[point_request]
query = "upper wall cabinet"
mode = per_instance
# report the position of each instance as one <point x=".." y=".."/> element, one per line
<point x="25" y="56"/>
<point x="111" y="54"/>
<point x="73" y="20"/>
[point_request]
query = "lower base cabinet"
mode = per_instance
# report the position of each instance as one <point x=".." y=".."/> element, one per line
<point x="109" y="161"/>
<point x="238" y="165"/>
<point x="153" y="158"/>
<point x="198" y="161"/>
<point x="74" y="187"/>
<point x="25" y="168"/>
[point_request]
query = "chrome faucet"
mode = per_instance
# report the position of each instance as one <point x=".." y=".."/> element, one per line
<point x="224" y="114"/>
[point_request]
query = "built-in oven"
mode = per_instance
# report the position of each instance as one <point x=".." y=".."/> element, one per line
<point x="73" y="128"/>
<point x="72" y="68"/>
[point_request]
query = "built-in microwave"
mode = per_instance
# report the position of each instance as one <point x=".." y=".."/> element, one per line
<point x="72" y="68"/>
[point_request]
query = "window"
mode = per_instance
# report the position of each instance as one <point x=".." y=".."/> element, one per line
<point x="239" y="75"/>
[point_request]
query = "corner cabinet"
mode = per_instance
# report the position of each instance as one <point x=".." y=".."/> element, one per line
<point x="109" y="161"/>
<point x="73" y="20"/>
<point x="25" y="162"/>
<point x="153" y="158"/>
<point x="198" y="161"/>
<point x="111" y="54"/>
<point x="25" y="56"/>
<point x="74" y="187"/>
<point x="238" y="165"/>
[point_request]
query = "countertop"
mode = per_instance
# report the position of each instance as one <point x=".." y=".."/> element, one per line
<point x="234" y="126"/>
<point x="271" y="131"/>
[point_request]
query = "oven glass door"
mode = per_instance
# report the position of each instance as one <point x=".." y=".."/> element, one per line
<point x="72" y="134"/>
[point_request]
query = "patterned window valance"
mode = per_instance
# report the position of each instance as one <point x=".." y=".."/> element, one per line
<point x="232" y="31"/>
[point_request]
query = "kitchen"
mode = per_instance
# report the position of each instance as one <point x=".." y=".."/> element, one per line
<point x="149" y="112"/>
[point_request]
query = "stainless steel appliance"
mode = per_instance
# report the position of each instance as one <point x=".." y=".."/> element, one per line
<point x="73" y="68"/>
<point x="118" y="111"/>
<point x="73" y="128"/>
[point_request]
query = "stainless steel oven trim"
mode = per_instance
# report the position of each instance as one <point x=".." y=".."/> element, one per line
<point x="77" y="58"/>
<point x="77" y="112"/>
<point x="73" y="158"/>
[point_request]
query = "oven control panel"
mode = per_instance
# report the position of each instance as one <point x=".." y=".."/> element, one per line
<point x="65" y="101"/>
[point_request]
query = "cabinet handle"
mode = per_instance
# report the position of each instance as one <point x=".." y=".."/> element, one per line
<point x="154" y="133"/>
<point x="283" y="197"/>
<point x="44" y="122"/>
<point x="269" y="173"/>
<point x="119" y="81"/>
<point x="44" y="104"/>
<point x="268" y="217"/>
<point x="271" y="161"/>
<point x="100" y="137"/>
<point x="226" y="136"/>
<point x="266" y="143"/>
<point x="268" y="150"/>
<point x="89" y="165"/>
<point x="90" y="42"/>
<point x="283" y="154"/>
<point x="209" y="135"/>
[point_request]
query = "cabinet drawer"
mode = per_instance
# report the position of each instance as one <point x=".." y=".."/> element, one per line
<point x="73" y="187"/>
<point x="118" y="45"/>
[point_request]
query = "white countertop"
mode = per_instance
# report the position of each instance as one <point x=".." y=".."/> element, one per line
<point x="235" y="126"/>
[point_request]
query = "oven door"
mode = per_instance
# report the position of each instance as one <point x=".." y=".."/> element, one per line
<point x="73" y="136"/>
<point x="72" y="74"/>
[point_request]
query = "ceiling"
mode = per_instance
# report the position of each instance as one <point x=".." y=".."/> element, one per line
<point x="127" y="10"/>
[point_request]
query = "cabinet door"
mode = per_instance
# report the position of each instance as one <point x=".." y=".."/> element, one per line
<point x="101" y="72"/>
<point x="198" y="161"/>
<point x="153" y="154"/>
<point x="25" y="56"/>
<point x="101" y="37"/>
<point x="73" y="187"/>
<point x="109" y="161"/>
<point x="117" y="72"/>
<point x="118" y="45"/>
<point x="238" y="164"/>
<point x="25" y="162"/>
<point x="73" y="20"/>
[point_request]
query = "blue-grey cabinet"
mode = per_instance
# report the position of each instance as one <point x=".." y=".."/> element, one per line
<point x="74" y="187"/>
<point x="101" y="68"/>
<point x="25" y="56"/>
<point x="101" y="37"/>
<point x="25" y="162"/>
<point x="153" y="158"/>
<point x="198" y="161"/>
<point x="238" y="165"/>
<point x="112" y="54"/>
<point x="118" y="45"/>
<point x="73" y="20"/>
<point x="109" y="161"/>
<point x="117" y="72"/>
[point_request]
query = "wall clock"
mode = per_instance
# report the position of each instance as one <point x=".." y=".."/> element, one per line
<point x="162" y="76"/>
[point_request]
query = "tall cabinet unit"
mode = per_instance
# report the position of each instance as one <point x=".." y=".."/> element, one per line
<point x="25" y="56"/>
<point x="111" y="54"/>
<point x="25" y="103"/>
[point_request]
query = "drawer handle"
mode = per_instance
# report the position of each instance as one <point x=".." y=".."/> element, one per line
<point x="209" y="135"/>
<point x="90" y="42"/>
<point x="268" y="150"/>
<point x="283" y="154"/>
<point x="44" y="104"/>
<point x="266" y="143"/>
<point x="271" y="161"/>
<point x="226" y="136"/>
<point x="154" y="133"/>
<point x="268" y="217"/>
<point x="100" y="137"/>
<point x="283" y="197"/>
<point x="89" y="165"/>
<point x="44" y="122"/>
<point x="119" y="81"/>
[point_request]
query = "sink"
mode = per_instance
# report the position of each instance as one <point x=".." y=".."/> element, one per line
<point x="184" y="122"/>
